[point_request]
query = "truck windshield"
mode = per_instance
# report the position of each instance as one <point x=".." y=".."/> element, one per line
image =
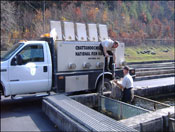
<point x="10" y="52"/>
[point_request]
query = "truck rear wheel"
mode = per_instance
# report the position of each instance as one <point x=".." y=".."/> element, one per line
<point x="107" y="85"/>
<point x="1" y="90"/>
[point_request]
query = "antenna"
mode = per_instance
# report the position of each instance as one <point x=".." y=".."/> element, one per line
<point x="44" y="16"/>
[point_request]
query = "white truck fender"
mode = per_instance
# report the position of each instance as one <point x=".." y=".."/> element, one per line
<point x="101" y="75"/>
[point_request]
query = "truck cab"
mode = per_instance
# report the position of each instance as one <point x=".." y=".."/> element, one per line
<point x="26" y="68"/>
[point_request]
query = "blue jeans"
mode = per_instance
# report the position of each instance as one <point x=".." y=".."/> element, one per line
<point x="127" y="95"/>
<point x="106" y="58"/>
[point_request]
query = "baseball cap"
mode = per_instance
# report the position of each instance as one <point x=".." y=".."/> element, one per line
<point x="126" y="68"/>
<point x="116" y="42"/>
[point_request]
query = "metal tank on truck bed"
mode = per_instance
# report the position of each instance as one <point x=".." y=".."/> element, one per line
<point x="79" y="61"/>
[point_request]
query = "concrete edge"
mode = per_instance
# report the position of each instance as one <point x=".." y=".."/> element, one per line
<point x="150" y="91"/>
<point x="62" y="119"/>
<point x="153" y="77"/>
<point x="153" y="121"/>
<point x="148" y="62"/>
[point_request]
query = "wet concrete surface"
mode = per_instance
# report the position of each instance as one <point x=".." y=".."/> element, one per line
<point x="24" y="115"/>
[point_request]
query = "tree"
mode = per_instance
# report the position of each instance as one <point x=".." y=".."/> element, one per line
<point x="132" y="19"/>
<point x="112" y="34"/>
<point x="7" y="16"/>
<point x="8" y="23"/>
<point x="132" y="10"/>
<point x="105" y="15"/>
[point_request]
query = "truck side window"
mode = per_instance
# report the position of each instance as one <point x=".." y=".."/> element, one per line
<point x="32" y="53"/>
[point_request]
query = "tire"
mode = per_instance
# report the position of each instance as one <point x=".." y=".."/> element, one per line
<point x="1" y="90"/>
<point x="107" y="85"/>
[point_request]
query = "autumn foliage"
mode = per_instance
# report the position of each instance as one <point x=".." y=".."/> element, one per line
<point x="125" y="19"/>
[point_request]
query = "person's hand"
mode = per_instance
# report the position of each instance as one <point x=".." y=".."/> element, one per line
<point x="106" y="55"/>
<point x="115" y="80"/>
<point x="115" y="65"/>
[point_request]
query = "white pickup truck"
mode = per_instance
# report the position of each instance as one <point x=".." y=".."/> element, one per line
<point x="64" y="64"/>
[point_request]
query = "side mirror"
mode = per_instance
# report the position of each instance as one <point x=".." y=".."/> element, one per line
<point x="17" y="60"/>
<point x="14" y="61"/>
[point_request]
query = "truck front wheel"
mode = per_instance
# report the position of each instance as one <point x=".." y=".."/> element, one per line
<point x="107" y="85"/>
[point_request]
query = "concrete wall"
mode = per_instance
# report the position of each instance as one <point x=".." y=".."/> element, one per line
<point x="154" y="121"/>
<point x="57" y="117"/>
<point x="90" y="100"/>
<point x="153" y="91"/>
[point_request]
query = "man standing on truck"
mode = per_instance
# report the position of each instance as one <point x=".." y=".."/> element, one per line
<point x="108" y="47"/>
<point x="126" y="86"/>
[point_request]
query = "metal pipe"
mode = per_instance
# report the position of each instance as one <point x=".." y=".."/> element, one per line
<point x="101" y="89"/>
<point x="113" y="70"/>
<point x="44" y="16"/>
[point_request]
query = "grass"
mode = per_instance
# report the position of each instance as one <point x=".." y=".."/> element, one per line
<point x="131" y="54"/>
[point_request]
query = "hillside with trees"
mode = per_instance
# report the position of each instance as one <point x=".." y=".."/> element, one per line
<point x="125" y="19"/>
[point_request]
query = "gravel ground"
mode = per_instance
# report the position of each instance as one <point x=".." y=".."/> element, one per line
<point x="24" y="115"/>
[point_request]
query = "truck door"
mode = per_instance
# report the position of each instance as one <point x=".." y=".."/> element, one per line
<point x="32" y="75"/>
